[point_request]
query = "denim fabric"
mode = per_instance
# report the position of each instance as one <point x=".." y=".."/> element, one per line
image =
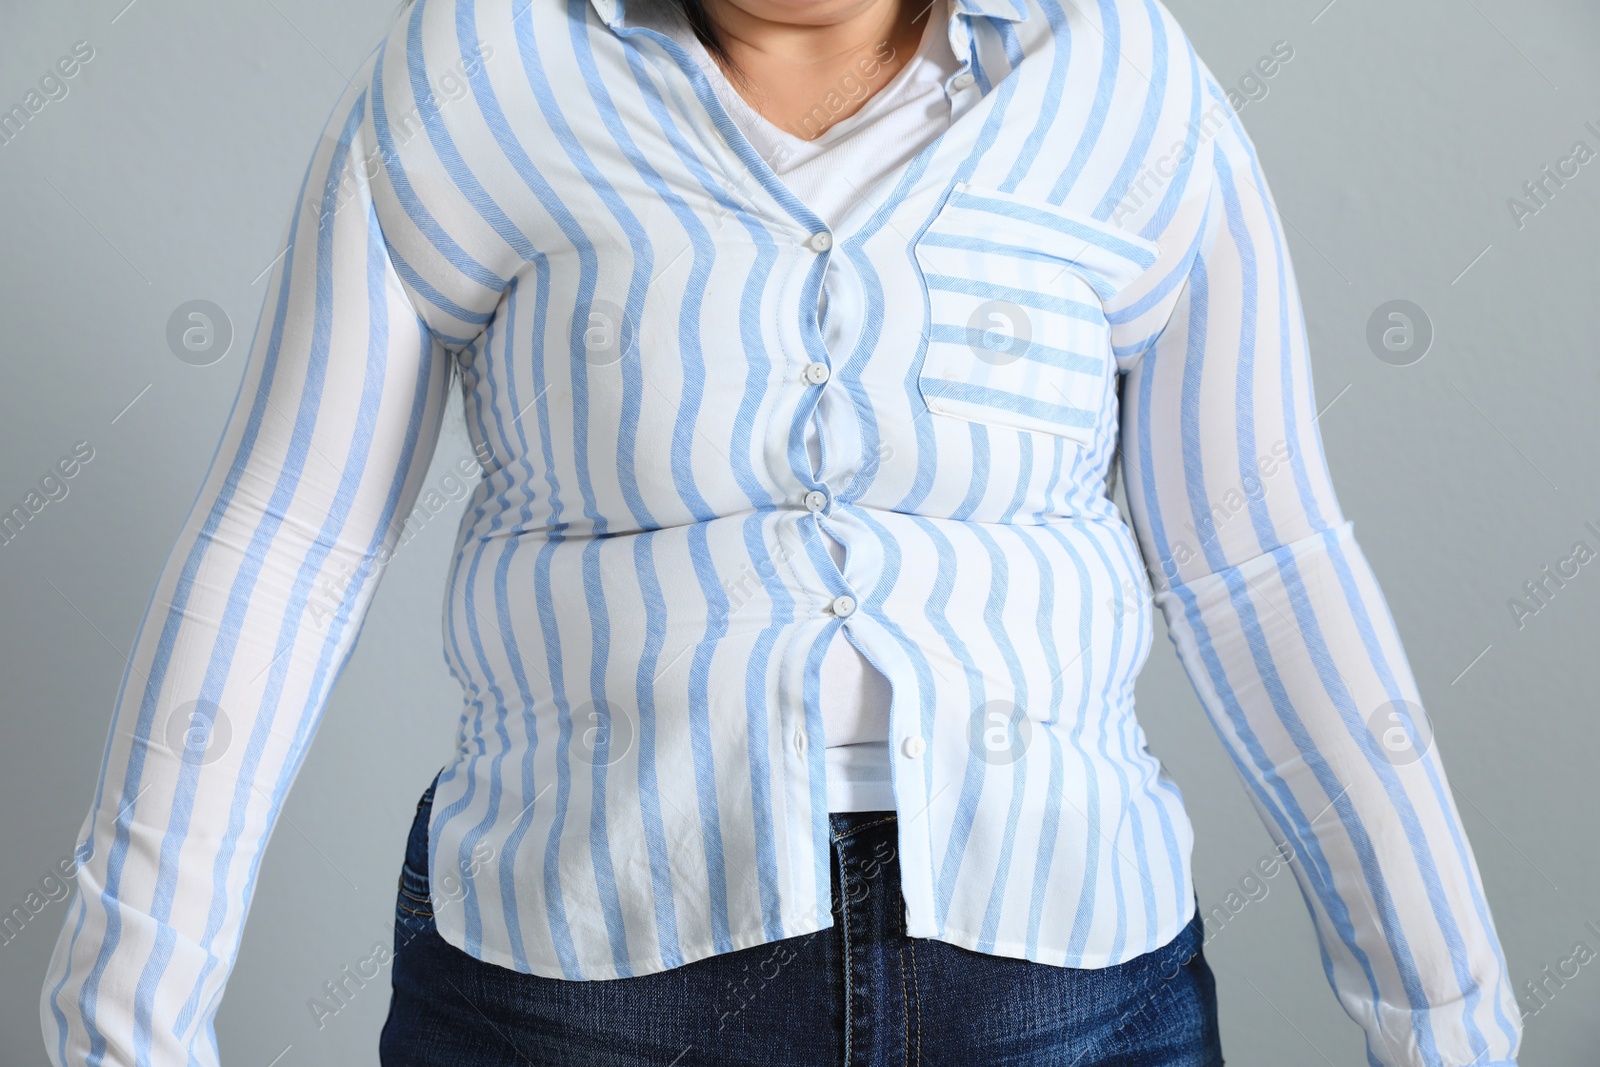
<point x="859" y="994"/>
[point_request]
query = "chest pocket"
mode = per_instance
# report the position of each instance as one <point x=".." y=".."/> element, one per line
<point x="1017" y="290"/>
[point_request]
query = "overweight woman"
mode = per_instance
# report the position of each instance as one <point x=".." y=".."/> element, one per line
<point x="801" y="345"/>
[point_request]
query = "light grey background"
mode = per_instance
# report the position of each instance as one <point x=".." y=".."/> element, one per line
<point x="1392" y="141"/>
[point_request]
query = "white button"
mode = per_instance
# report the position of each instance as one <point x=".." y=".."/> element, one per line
<point x="963" y="81"/>
<point x="800" y="741"/>
<point x="816" y="500"/>
<point x="817" y="373"/>
<point x="820" y="241"/>
<point x="913" y="746"/>
<point x="843" y="605"/>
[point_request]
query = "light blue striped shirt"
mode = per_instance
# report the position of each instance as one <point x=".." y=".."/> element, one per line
<point x="552" y="197"/>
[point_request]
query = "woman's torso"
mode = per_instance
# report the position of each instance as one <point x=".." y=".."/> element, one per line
<point x="644" y="594"/>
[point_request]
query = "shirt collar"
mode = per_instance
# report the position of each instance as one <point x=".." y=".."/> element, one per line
<point x="1004" y="10"/>
<point x="611" y="11"/>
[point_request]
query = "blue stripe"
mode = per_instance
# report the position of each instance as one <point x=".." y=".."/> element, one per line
<point x="211" y="685"/>
<point x="636" y="572"/>
<point x="1035" y="216"/>
<point x="1017" y="348"/>
<point x="989" y="290"/>
<point x="1003" y="401"/>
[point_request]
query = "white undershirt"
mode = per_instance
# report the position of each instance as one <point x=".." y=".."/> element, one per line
<point x="852" y="159"/>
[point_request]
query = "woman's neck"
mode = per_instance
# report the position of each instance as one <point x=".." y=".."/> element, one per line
<point x="806" y="66"/>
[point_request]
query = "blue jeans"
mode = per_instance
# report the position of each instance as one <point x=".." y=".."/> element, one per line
<point x="858" y="994"/>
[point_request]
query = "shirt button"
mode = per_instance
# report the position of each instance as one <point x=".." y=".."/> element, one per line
<point x="843" y="605"/>
<point x="913" y="746"/>
<point x="963" y="81"/>
<point x="820" y="241"/>
<point x="817" y="373"/>
<point x="816" y="500"/>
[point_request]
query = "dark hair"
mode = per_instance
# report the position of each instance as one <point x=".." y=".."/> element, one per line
<point x="699" y="18"/>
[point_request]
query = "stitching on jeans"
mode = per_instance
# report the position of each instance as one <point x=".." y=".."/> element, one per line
<point x="408" y="894"/>
<point x="863" y="826"/>
<point x="917" y="993"/>
<point x="413" y="911"/>
<point x="844" y="930"/>
<point x="905" y="1001"/>
<point x="413" y="897"/>
<point x="905" y="1007"/>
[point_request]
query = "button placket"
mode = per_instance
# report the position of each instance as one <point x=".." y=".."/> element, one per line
<point x="816" y="372"/>
<point x="818" y="499"/>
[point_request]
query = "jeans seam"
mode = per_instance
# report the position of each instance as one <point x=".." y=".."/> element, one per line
<point x="863" y="826"/>
<point x="917" y="994"/>
<point x="844" y="930"/>
<point x="425" y="898"/>
<point x="905" y="1009"/>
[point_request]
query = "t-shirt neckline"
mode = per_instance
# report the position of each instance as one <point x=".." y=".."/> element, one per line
<point x="880" y="99"/>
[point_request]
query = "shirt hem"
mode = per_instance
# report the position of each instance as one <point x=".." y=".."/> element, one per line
<point x="801" y="924"/>
<point x="796" y="926"/>
<point x="1083" y="961"/>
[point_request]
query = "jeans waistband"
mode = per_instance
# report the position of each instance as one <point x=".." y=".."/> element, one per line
<point x="842" y="824"/>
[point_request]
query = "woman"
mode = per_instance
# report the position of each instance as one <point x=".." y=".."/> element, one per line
<point x="796" y="624"/>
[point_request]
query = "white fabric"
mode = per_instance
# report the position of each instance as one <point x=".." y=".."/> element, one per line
<point x="642" y="596"/>
<point x="849" y="162"/>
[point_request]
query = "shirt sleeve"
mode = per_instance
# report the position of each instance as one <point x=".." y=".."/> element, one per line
<point x="1281" y="626"/>
<point x="253" y="618"/>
